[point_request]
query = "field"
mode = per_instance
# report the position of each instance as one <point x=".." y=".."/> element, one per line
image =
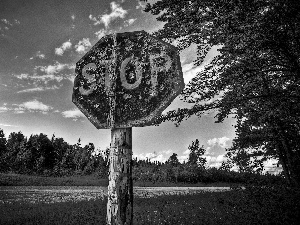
<point x="12" y="179"/>
<point x="87" y="205"/>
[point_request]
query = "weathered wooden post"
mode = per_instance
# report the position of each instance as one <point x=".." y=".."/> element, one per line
<point x="120" y="189"/>
<point x="126" y="80"/>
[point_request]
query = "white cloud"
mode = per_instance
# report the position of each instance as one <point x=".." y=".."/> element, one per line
<point x="31" y="90"/>
<point x="82" y="45"/>
<point x="40" y="55"/>
<point x="46" y="82"/>
<point x="7" y="125"/>
<point x="101" y="33"/>
<point x="140" y="5"/>
<point x="48" y="77"/>
<point x="6" y="22"/>
<point x="189" y="71"/>
<point x="65" y="46"/>
<point x="116" y="12"/>
<point x="161" y="156"/>
<point x="129" y="22"/>
<point x="35" y="105"/>
<point x="222" y="142"/>
<point x="73" y="113"/>
<point x="22" y="76"/>
<point x="3" y="109"/>
<point x="214" y="161"/>
<point x="57" y="67"/>
<point x="36" y="89"/>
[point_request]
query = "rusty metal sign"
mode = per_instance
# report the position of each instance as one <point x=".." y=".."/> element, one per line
<point x="126" y="80"/>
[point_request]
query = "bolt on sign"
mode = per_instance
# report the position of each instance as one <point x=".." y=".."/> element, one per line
<point x="125" y="81"/>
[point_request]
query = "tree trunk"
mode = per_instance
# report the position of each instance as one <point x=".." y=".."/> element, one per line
<point x="290" y="163"/>
<point x="120" y="188"/>
<point x="283" y="163"/>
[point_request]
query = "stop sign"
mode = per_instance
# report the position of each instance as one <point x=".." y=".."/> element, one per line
<point x="126" y="80"/>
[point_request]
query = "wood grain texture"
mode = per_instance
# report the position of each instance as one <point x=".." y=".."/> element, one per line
<point x="120" y="188"/>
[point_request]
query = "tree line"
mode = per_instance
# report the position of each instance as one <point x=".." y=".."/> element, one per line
<point x="39" y="155"/>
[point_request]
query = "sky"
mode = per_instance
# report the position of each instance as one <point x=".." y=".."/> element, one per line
<point x="41" y="41"/>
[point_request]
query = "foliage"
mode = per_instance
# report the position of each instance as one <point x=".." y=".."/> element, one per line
<point x="40" y="155"/>
<point x="255" y="77"/>
<point x="173" y="160"/>
<point x="3" y="150"/>
<point x="195" y="154"/>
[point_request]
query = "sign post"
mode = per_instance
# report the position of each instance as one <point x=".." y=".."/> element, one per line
<point x="126" y="80"/>
<point x="120" y="188"/>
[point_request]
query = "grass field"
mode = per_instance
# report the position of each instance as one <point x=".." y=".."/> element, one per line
<point x="11" y="179"/>
<point x="250" y="206"/>
<point x="253" y="205"/>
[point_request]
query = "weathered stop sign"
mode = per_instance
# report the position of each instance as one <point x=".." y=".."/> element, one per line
<point x="126" y="80"/>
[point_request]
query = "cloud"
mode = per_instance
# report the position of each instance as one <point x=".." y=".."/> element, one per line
<point x="35" y="105"/>
<point x="3" y="109"/>
<point x="22" y="76"/>
<point x="40" y="55"/>
<point x="101" y="33"/>
<point x="65" y="46"/>
<point x="73" y="113"/>
<point x="214" y="161"/>
<point x="6" y="22"/>
<point x="36" y="89"/>
<point x="189" y="71"/>
<point x="161" y="156"/>
<point x="57" y="67"/>
<point x="43" y="78"/>
<point x="31" y="106"/>
<point x="116" y="12"/>
<point x="129" y="22"/>
<point x="7" y="125"/>
<point x="222" y="142"/>
<point x="46" y="82"/>
<point x="83" y="45"/>
<point x="140" y="5"/>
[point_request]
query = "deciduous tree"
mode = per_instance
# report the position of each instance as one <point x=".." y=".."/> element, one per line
<point x="255" y="77"/>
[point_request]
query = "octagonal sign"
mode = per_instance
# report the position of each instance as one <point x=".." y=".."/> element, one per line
<point x="126" y="80"/>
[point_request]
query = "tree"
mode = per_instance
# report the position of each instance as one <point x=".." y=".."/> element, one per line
<point x="256" y="76"/>
<point x="173" y="160"/>
<point x="2" y="142"/>
<point x="196" y="153"/>
<point x="3" y="150"/>
<point x="15" y="143"/>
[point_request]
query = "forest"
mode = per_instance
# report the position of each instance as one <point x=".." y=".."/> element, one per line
<point x="40" y="156"/>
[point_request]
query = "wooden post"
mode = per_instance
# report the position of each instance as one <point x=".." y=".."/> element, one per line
<point x="120" y="187"/>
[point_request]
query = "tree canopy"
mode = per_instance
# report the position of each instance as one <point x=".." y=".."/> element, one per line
<point x="255" y="78"/>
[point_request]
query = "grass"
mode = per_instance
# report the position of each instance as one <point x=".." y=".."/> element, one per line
<point x="12" y="179"/>
<point x="250" y="206"/>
